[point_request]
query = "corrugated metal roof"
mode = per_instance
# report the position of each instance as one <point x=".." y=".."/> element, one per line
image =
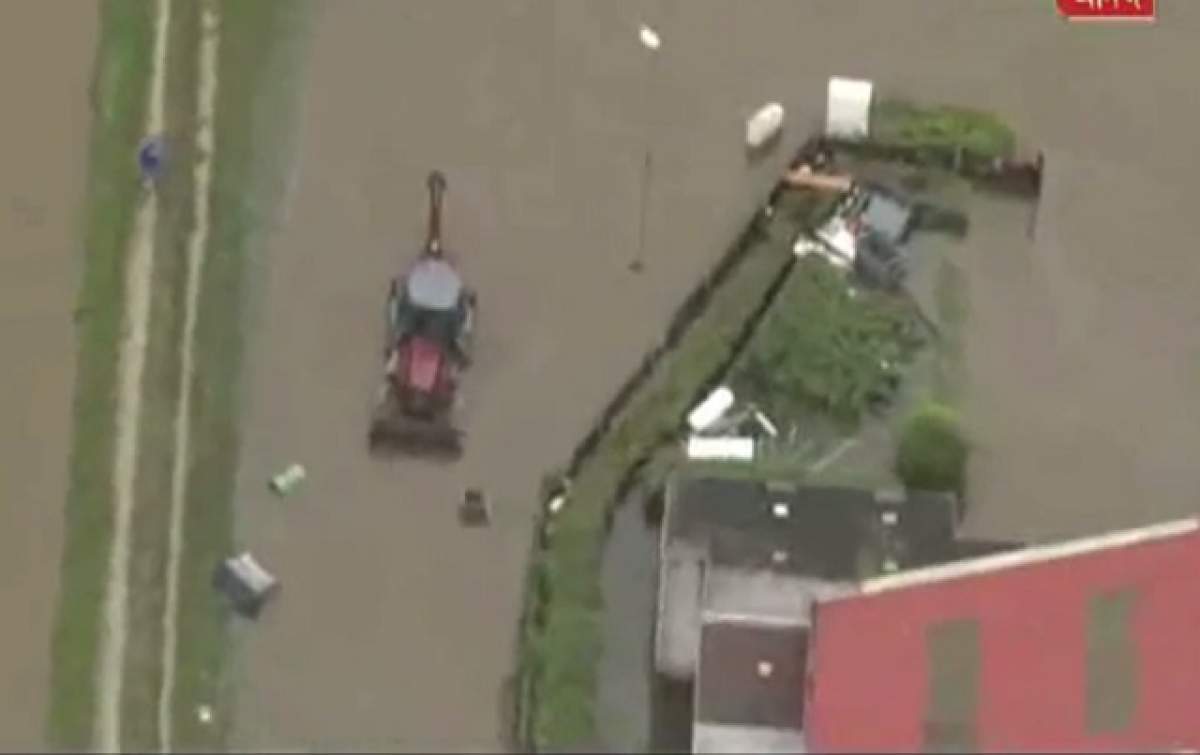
<point x="1079" y="648"/>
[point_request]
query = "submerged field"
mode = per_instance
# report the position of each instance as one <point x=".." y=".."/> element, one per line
<point x="397" y="628"/>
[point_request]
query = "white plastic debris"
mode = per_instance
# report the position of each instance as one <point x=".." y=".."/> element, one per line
<point x="766" y="424"/>
<point x="840" y="239"/>
<point x="204" y="714"/>
<point x="556" y="503"/>
<point x="764" y="125"/>
<point x="711" y="409"/>
<point x="806" y="245"/>
<point x="720" y="449"/>
<point x="649" y="38"/>
<point x="781" y="510"/>
<point x="848" y="108"/>
<point x="287" y="480"/>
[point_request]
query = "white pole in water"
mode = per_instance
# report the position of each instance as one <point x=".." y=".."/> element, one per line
<point x="651" y="42"/>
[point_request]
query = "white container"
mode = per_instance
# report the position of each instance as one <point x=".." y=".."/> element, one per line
<point x="848" y="108"/>
<point x="764" y="125"/>
<point x="287" y="480"/>
<point x="711" y="409"/>
<point x="720" y="449"/>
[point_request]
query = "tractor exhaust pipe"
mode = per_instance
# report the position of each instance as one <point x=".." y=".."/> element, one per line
<point x="437" y="189"/>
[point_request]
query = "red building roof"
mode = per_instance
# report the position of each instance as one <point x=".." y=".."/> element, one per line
<point x="1087" y="645"/>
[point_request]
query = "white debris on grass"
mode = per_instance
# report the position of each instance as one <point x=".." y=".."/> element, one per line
<point x="732" y="448"/>
<point x="840" y="241"/>
<point x="204" y="714"/>
<point x="766" y="424"/>
<point x="711" y="409"/>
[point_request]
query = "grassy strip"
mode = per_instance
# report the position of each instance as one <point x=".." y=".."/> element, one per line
<point x="253" y="103"/>
<point x="563" y="635"/>
<point x="160" y="391"/>
<point x="119" y="90"/>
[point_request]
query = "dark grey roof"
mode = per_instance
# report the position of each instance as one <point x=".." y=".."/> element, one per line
<point x="433" y="283"/>
<point x="825" y="532"/>
<point x="733" y="689"/>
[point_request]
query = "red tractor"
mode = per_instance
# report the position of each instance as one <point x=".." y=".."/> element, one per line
<point x="430" y="318"/>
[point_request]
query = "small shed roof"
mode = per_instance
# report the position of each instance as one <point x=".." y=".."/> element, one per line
<point x="751" y="675"/>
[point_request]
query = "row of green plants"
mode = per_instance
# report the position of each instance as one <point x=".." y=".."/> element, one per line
<point x="828" y="347"/>
<point x="945" y="127"/>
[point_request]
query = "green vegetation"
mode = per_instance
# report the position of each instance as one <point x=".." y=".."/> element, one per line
<point x="941" y="127"/>
<point x="561" y="639"/>
<point x="950" y="301"/>
<point x="827" y="347"/>
<point x="252" y="106"/>
<point x="119" y="90"/>
<point x="932" y="453"/>
<point x="261" y="45"/>
<point x="160" y="392"/>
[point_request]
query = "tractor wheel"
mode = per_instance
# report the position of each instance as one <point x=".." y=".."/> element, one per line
<point x="466" y="339"/>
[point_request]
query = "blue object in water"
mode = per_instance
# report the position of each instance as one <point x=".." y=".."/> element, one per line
<point x="151" y="157"/>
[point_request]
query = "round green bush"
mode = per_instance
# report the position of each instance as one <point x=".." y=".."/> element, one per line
<point x="933" y="450"/>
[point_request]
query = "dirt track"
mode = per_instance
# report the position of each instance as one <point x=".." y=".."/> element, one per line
<point x="396" y="626"/>
<point x="45" y="59"/>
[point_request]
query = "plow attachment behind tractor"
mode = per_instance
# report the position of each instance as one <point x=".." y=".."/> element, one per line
<point x="397" y="431"/>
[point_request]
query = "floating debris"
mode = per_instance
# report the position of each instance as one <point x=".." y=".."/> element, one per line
<point x="764" y="125"/>
<point x="474" y="510"/>
<point x="848" y="107"/>
<point x="246" y="584"/>
<point x="152" y="158"/>
<point x="287" y="480"/>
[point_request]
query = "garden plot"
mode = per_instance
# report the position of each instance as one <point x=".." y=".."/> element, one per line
<point x="839" y="364"/>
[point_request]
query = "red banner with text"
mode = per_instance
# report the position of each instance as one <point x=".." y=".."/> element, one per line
<point x="1108" y="10"/>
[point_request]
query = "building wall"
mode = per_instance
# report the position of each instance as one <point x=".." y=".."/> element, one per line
<point x="719" y="738"/>
<point x="764" y="595"/>
<point x="677" y="630"/>
<point x="875" y="659"/>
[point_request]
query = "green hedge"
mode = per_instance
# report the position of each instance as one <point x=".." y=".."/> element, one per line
<point x="932" y="454"/>
<point x="561" y="634"/>
<point x="942" y="127"/>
